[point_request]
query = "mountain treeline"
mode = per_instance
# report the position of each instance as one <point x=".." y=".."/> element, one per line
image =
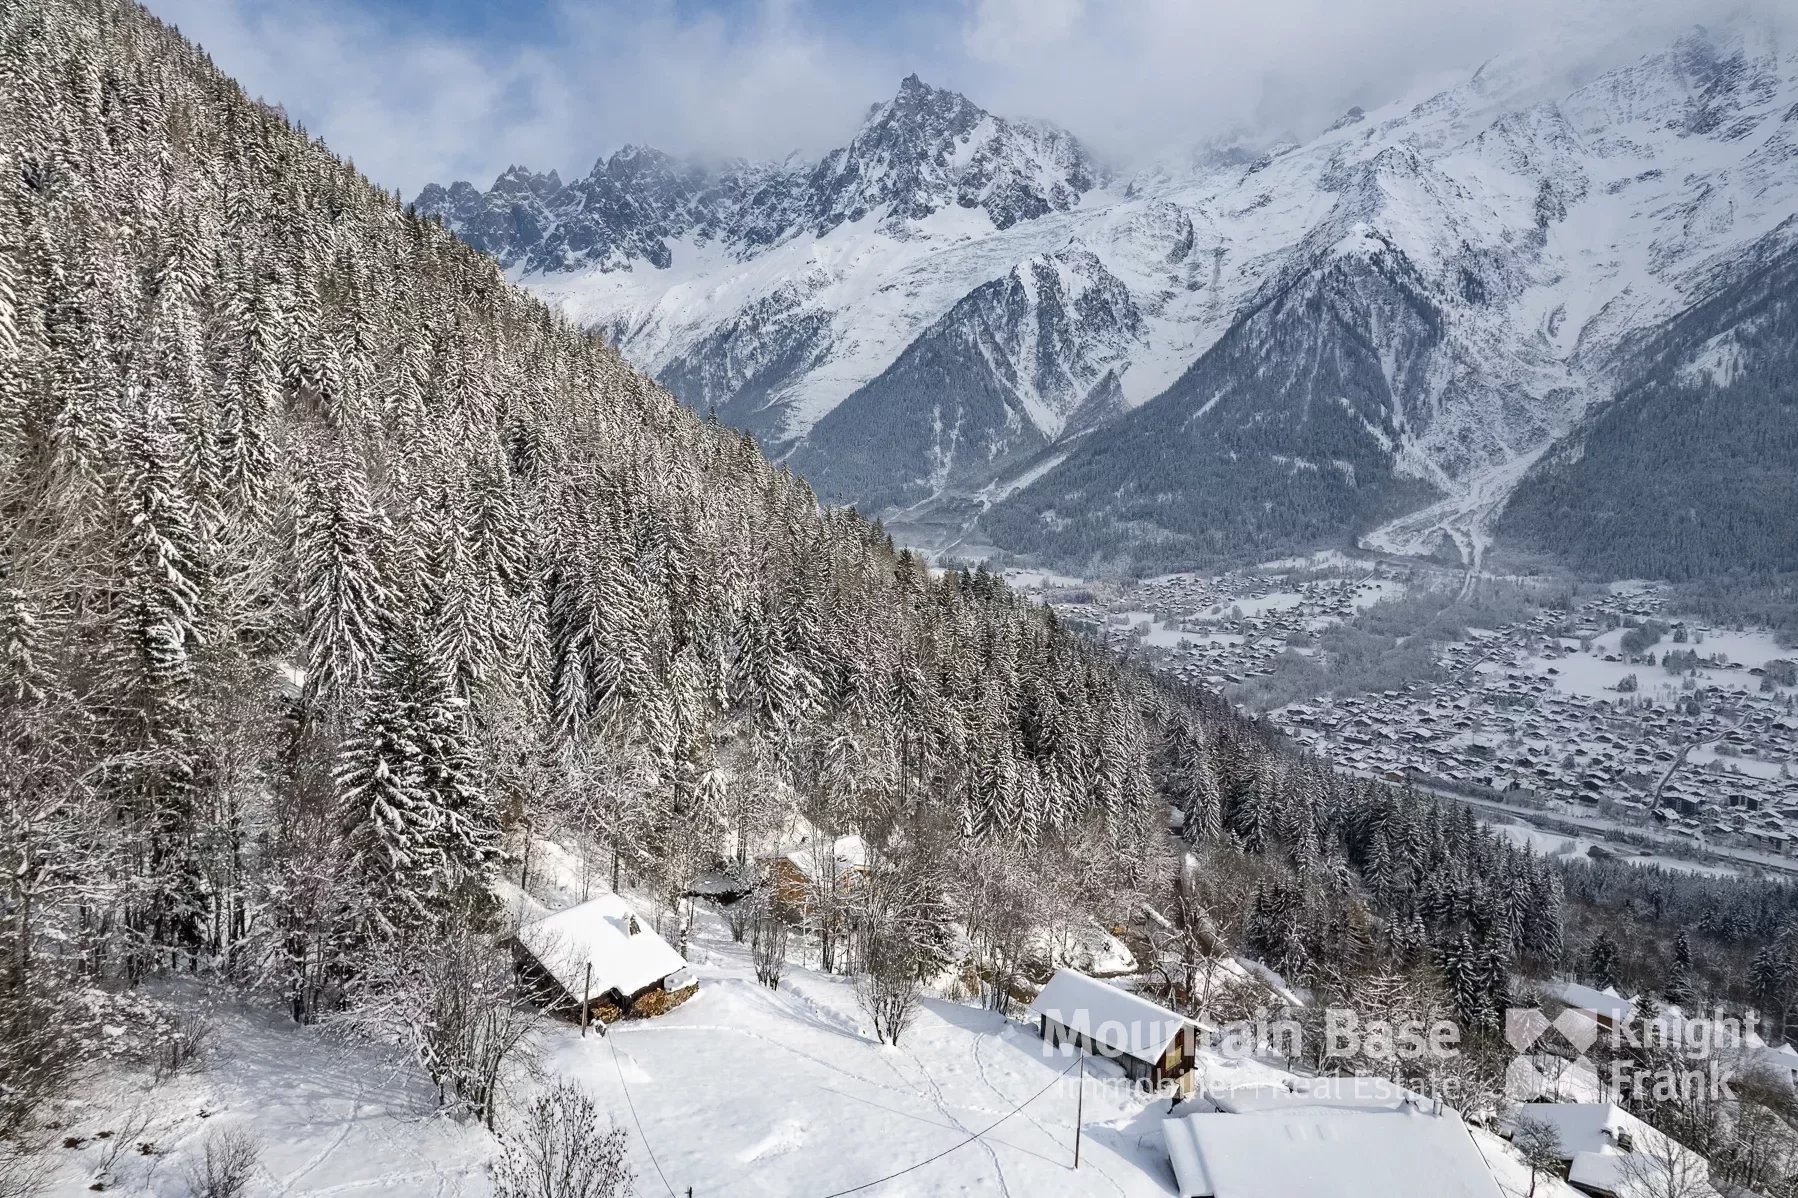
<point x="331" y="566"/>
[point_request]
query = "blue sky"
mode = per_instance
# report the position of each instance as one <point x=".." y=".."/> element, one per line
<point x="434" y="90"/>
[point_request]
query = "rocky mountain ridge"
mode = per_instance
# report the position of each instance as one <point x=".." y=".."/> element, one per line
<point x="1377" y="331"/>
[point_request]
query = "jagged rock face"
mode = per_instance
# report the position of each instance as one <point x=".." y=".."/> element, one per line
<point x="922" y="151"/>
<point x="508" y="221"/>
<point x="1280" y="435"/>
<point x="927" y="149"/>
<point x="1002" y="374"/>
<point x="1493" y="253"/>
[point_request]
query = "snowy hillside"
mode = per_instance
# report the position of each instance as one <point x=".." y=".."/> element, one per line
<point x="743" y="1090"/>
<point x="1486" y="248"/>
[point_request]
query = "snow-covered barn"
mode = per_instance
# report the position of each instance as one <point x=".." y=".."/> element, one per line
<point x="1340" y="1139"/>
<point x="599" y="954"/>
<point x="1152" y="1043"/>
<point x="1608" y="1009"/>
<point x="1596" y="1137"/>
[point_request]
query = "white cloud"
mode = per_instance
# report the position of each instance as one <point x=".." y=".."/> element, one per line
<point x="1139" y="76"/>
<point x="1000" y="31"/>
<point x="413" y="106"/>
<point x="763" y="77"/>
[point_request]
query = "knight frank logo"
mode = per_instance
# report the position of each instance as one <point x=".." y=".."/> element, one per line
<point x="1524" y="1029"/>
<point x="1655" y="1062"/>
<point x="1524" y="1026"/>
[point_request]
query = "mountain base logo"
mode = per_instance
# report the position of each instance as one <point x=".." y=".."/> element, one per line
<point x="1572" y="1053"/>
<point x="1657" y="1061"/>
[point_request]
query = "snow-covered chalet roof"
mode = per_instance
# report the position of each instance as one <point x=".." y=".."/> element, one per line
<point x="1343" y="1152"/>
<point x="851" y="853"/>
<point x="1586" y="1126"/>
<point x="1606" y="1002"/>
<point x="600" y="932"/>
<point x="1592" y="1141"/>
<point x="1121" y="1021"/>
<point x="1317" y="1093"/>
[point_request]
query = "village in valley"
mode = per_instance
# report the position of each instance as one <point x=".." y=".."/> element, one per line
<point x="1608" y="718"/>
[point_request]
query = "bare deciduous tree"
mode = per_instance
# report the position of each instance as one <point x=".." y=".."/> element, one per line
<point x="888" y="987"/>
<point x="455" y="1002"/>
<point x="559" y="1150"/>
<point x="1539" y="1144"/>
<point x="768" y="947"/>
<point x="1757" y="1149"/>
<point x="22" y="1169"/>
<point x="1661" y="1167"/>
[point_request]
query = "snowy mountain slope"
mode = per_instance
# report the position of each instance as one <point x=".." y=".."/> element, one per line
<point x="1513" y="267"/>
<point x="1688" y="471"/>
<point x="1006" y="371"/>
<point x="1529" y="227"/>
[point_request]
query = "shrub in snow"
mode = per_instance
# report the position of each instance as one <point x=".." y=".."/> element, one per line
<point x="559" y="1150"/>
<point x="183" y="1047"/>
<point x="226" y="1165"/>
<point x="768" y="945"/>
<point x="21" y="1170"/>
<point x="1539" y="1144"/>
<point x="889" y="989"/>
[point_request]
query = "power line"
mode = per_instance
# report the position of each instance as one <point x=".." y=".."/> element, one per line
<point x="1078" y="1060"/>
<point x="633" y="1109"/>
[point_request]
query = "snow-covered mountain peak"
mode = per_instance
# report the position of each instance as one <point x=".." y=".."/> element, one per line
<point x="924" y="151"/>
<point x="955" y="298"/>
<point x="928" y="148"/>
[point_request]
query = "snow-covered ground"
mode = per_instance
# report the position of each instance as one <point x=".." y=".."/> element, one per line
<point x="742" y="1090"/>
<point x="747" y="1090"/>
<point x="331" y="1118"/>
<point x="1036" y="580"/>
<point x="1589" y="675"/>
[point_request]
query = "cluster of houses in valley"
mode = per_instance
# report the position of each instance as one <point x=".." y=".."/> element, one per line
<point x="1557" y="711"/>
<point x="1690" y="729"/>
<point x="1218" y="631"/>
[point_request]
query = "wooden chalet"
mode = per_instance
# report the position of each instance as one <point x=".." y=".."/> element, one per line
<point x="795" y="875"/>
<point x="1154" y="1045"/>
<point x="599" y="960"/>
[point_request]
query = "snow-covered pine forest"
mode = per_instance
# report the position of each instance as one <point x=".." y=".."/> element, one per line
<point x="333" y="569"/>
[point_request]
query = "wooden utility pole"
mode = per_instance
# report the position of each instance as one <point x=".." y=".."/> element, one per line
<point x="586" y="999"/>
<point x="1079" y="1107"/>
